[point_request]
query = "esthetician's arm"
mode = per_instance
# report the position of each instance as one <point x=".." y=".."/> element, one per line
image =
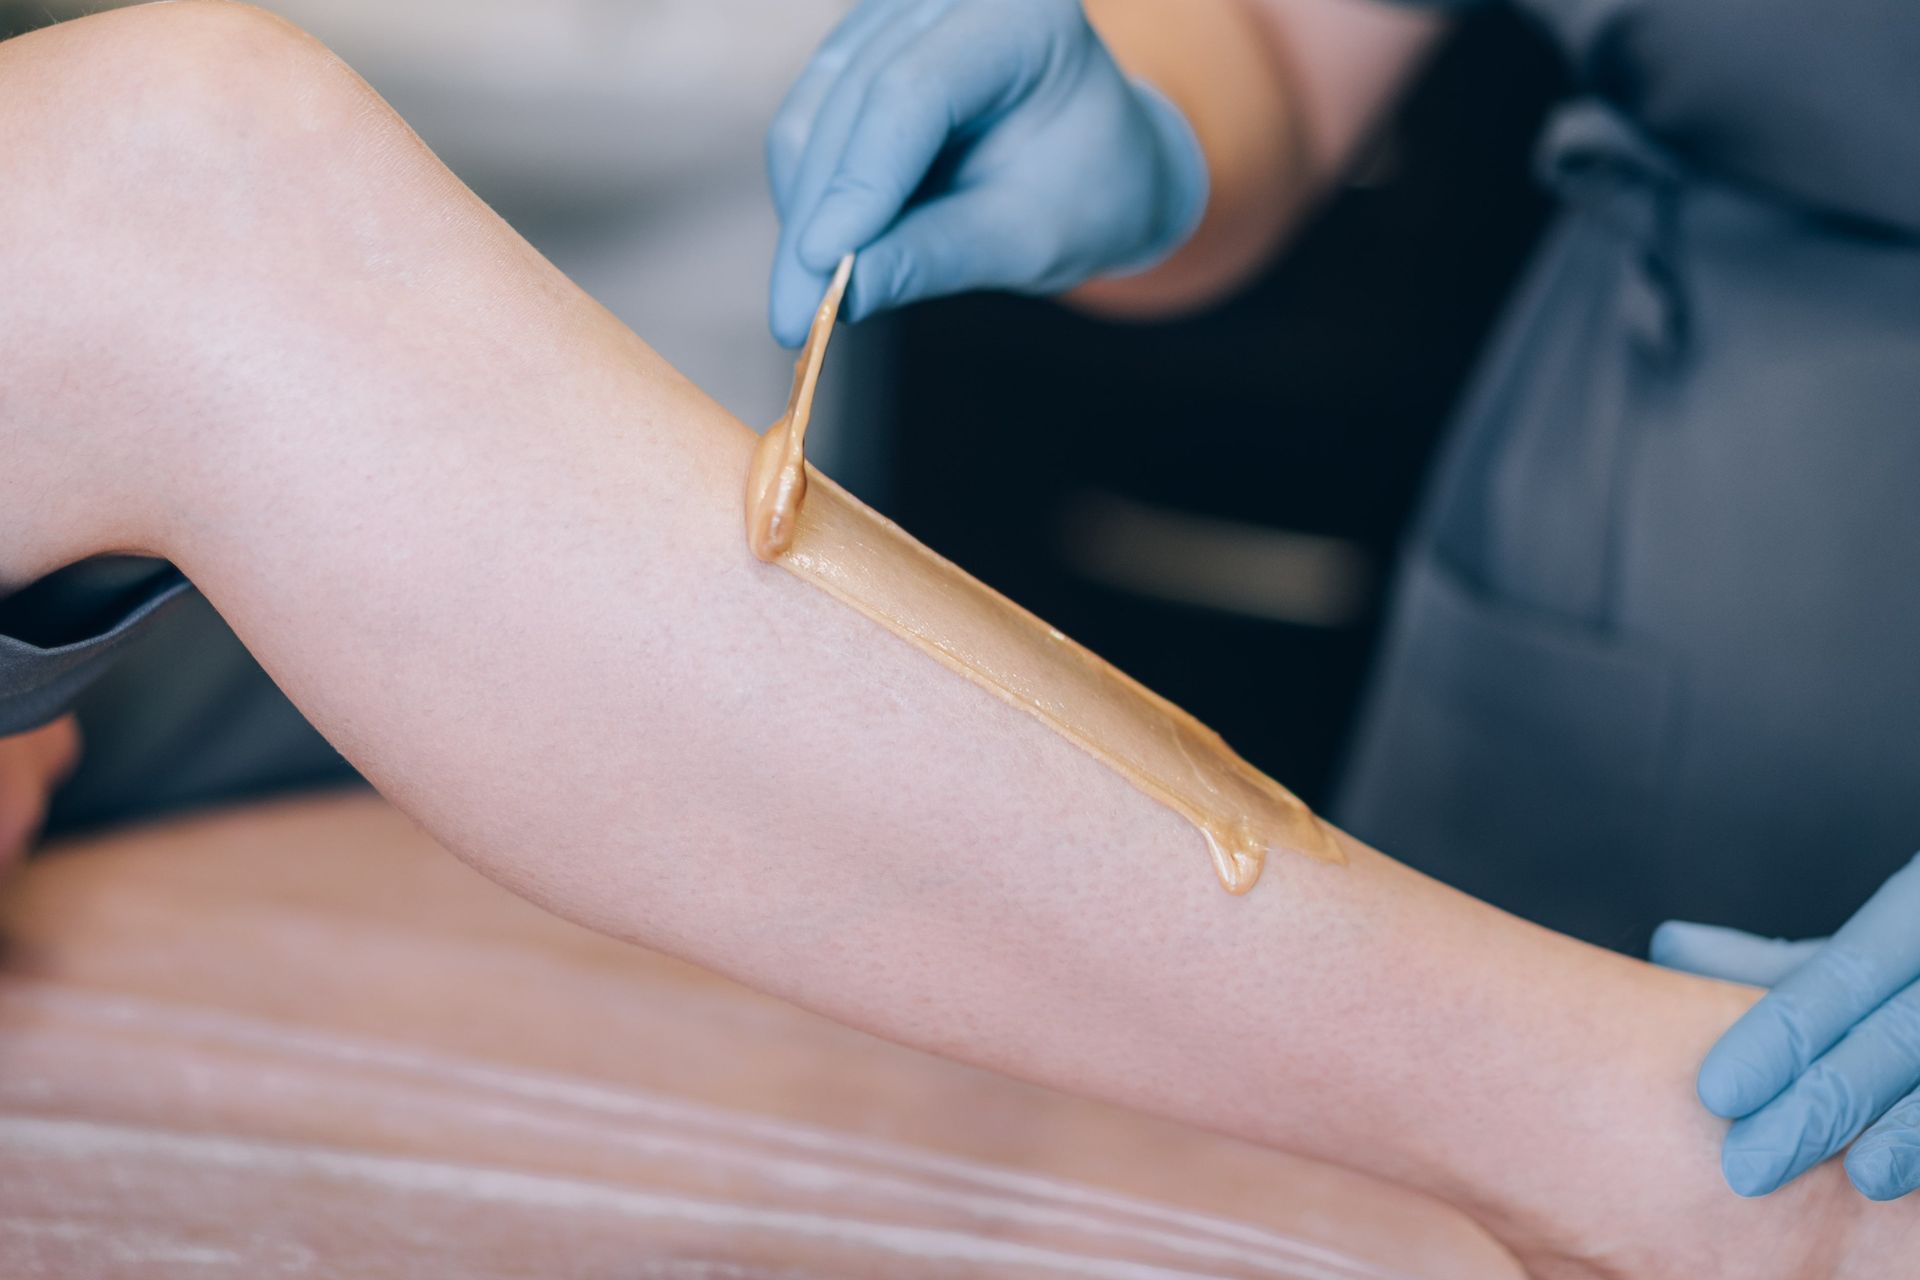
<point x="492" y="545"/>
<point x="1039" y="145"/>
<point x="1282" y="95"/>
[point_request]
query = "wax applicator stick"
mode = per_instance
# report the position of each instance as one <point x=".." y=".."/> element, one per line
<point x="777" y="481"/>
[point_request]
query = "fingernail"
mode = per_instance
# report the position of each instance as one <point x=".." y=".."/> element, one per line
<point x="1884" y="1173"/>
<point x="856" y="308"/>
<point x="1872" y="1173"/>
<point x="783" y="333"/>
<point x="1733" y="1087"/>
<point x="819" y="247"/>
<point x="1751" y="1173"/>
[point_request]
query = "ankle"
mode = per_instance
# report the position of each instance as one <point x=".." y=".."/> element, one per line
<point x="1661" y="1207"/>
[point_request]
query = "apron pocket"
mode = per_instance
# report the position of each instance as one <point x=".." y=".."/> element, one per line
<point x="1516" y="756"/>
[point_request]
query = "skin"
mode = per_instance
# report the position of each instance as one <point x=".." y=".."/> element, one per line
<point x="256" y="973"/>
<point x="491" y="544"/>
<point x="31" y="766"/>
<point x="1283" y="95"/>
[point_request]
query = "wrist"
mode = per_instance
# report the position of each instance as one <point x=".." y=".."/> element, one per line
<point x="1184" y="181"/>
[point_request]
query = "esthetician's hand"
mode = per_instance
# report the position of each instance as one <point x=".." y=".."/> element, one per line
<point x="972" y="144"/>
<point x="31" y="766"/>
<point x="1832" y="1051"/>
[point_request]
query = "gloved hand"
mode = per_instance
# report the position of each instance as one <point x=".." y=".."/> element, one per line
<point x="972" y="144"/>
<point x="1831" y="1051"/>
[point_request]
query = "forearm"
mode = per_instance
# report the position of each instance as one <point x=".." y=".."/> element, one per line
<point x="492" y="545"/>
<point x="1280" y="94"/>
<point x="1215" y="60"/>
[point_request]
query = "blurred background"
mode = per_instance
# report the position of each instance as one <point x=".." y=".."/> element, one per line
<point x="1229" y="543"/>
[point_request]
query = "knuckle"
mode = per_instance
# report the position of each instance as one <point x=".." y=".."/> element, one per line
<point x="899" y="84"/>
<point x="786" y="136"/>
<point x="1790" y="1015"/>
<point x="904" y="279"/>
<point x="1851" y="971"/>
<point x="1898" y="1022"/>
<point x="1833" y="1111"/>
<point x="1030" y="245"/>
<point x="1031" y="260"/>
<point x="859" y="188"/>
<point x="1904" y="1114"/>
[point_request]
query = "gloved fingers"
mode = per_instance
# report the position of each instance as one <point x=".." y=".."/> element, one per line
<point x="796" y="288"/>
<point x="961" y="69"/>
<point x="793" y="122"/>
<point x="1885" y="1163"/>
<point x="792" y="297"/>
<point x="846" y="101"/>
<point x="1854" y="1084"/>
<point x="934" y="251"/>
<point x="1728" y="954"/>
<point x="1875" y="954"/>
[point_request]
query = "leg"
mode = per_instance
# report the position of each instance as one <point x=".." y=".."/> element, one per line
<point x="491" y="544"/>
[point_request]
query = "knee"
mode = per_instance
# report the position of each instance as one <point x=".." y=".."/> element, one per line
<point x="184" y="180"/>
<point x="179" y="116"/>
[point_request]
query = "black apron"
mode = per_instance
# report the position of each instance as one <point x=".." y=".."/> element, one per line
<point x="1656" y="645"/>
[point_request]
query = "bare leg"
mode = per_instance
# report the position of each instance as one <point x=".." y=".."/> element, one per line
<point x="491" y="544"/>
<point x="315" y="985"/>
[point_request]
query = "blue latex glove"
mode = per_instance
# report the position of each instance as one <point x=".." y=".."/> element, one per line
<point x="972" y="144"/>
<point x="1831" y="1054"/>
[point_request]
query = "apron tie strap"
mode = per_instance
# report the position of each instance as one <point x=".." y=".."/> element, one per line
<point x="1604" y="165"/>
